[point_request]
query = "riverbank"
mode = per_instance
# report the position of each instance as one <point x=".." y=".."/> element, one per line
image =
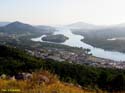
<point x="107" y="40"/>
<point x="75" y="41"/>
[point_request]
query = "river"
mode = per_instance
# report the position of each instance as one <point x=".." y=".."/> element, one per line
<point x="75" y="41"/>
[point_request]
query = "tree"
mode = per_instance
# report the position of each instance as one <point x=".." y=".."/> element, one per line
<point x="87" y="51"/>
<point x="118" y="83"/>
<point x="103" y="80"/>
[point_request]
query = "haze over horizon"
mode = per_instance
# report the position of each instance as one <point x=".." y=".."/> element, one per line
<point x="57" y="12"/>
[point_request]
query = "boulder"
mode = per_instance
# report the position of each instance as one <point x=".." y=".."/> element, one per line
<point x="42" y="78"/>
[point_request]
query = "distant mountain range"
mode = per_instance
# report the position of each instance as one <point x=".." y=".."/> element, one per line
<point x="83" y="25"/>
<point x="19" y="27"/>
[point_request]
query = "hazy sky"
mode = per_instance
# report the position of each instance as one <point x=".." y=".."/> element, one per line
<point x="63" y="11"/>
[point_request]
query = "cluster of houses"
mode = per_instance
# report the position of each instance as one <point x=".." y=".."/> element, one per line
<point x="59" y="55"/>
<point x="106" y="63"/>
<point x="75" y="57"/>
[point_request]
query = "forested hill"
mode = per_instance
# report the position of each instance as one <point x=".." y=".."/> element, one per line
<point x="19" y="28"/>
<point x="13" y="61"/>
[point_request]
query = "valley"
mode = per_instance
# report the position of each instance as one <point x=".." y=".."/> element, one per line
<point x="72" y="49"/>
<point x="30" y="53"/>
<point x="62" y="46"/>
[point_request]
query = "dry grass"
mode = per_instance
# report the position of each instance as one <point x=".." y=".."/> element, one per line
<point x="33" y="86"/>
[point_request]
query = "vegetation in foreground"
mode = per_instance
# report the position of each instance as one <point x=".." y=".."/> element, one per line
<point x="34" y="85"/>
<point x="14" y="61"/>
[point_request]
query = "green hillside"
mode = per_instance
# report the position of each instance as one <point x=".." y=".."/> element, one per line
<point x="13" y="61"/>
